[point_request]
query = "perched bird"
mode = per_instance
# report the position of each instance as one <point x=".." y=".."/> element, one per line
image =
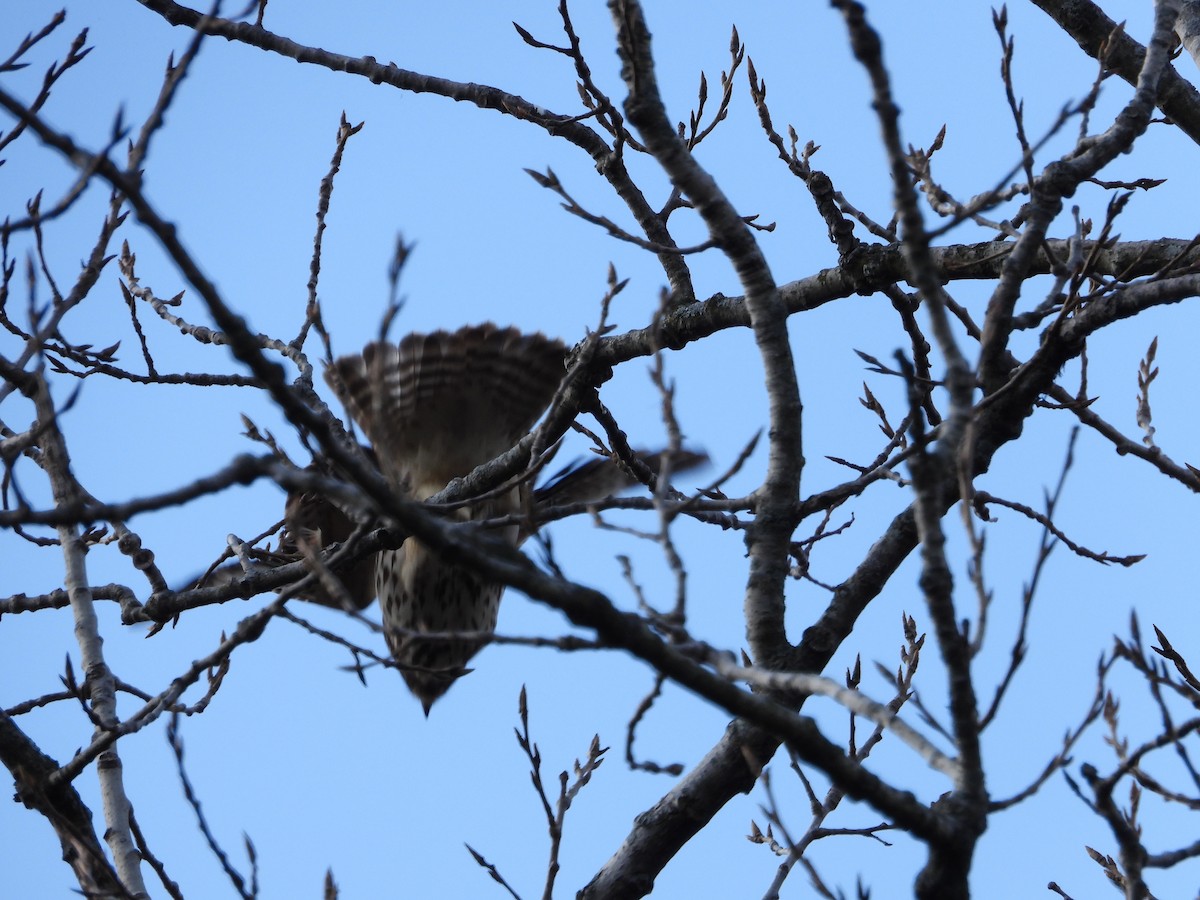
<point x="433" y="408"/>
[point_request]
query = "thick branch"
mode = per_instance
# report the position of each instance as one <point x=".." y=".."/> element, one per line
<point x="67" y="814"/>
<point x="99" y="681"/>
<point x="768" y="539"/>
<point x="1099" y="37"/>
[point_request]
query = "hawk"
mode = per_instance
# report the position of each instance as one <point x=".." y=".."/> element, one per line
<point x="434" y="407"/>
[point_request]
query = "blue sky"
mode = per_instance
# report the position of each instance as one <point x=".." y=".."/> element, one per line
<point x="321" y="772"/>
